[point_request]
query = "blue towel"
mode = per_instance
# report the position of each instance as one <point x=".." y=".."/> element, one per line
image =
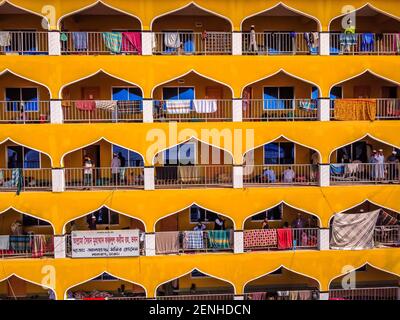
<point x="80" y="40"/>
<point x="337" y="169"/>
<point x="367" y="42"/>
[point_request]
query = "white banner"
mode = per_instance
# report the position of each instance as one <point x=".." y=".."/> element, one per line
<point x="105" y="243"/>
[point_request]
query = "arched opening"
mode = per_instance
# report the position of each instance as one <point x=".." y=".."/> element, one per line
<point x="280" y="97"/>
<point x="282" y="284"/>
<point x="102" y="98"/>
<point x="23" y="32"/>
<point x="192" y="97"/>
<point x="365" y="226"/>
<point x="23" y="100"/>
<point x="280" y="30"/>
<point x="366" y="160"/>
<point x="25" y="236"/>
<point x="365" y="31"/>
<point x="365" y="283"/>
<point x="281" y="162"/>
<point x="102" y="230"/>
<point x="16" y="288"/>
<point x="100" y="29"/>
<point x="192" y="30"/>
<point x="193" y="164"/>
<point x="195" y="285"/>
<point x="106" y="287"/>
<point x="23" y="168"/>
<point x="365" y="97"/>
<point x="103" y="165"/>
<point x="281" y="227"/>
<point x="194" y="230"/>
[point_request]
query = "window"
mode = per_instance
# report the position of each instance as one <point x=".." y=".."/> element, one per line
<point x="128" y="158"/>
<point x="355" y="151"/>
<point x="279" y="153"/>
<point x="104" y="216"/>
<point x="178" y="93"/>
<point x="336" y="93"/>
<point x="22" y="99"/>
<point x="278" y="98"/>
<point x="28" y="221"/>
<point x="197" y="213"/>
<point x="273" y="214"/>
<point x="183" y="154"/>
<point x="314" y="93"/>
<point x="21" y="157"/>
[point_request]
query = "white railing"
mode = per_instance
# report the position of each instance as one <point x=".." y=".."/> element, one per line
<point x="174" y="242"/>
<point x="280" y="109"/>
<point x="275" y="174"/>
<point x="205" y="296"/>
<point x="92" y="43"/>
<point x="193" y="176"/>
<point x="387" y="235"/>
<point x="197" y="110"/>
<point x="275" y="43"/>
<point x="276" y="295"/>
<point x="115" y="178"/>
<point x="102" y="111"/>
<point x="365" y="43"/>
<point x="25" y="179"/>
<point x="27" y="246"/>
<point x="381" y="293"/>
<point x="207" y="43"/>
<point x="24" y="111"/>
<point x="364" y="173"/>
<point x="386" y="108"/>
<point x="24" y="42"/>
<point x="267" y="239"/>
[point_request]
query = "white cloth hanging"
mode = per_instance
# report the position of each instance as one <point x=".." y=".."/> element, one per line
<point x="172" y="40"/>
<point x="4" y="242"/>
<point x="205" y="105"/>
<point x="5" y="39"/>
<point x="178" y="106"/>
<point x="106" y="104"/>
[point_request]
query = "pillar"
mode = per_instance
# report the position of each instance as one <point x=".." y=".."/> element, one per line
<point x="238" y="297"/>
<point x="324" y="175"/>
<point x="54" y="43"/>
<point x="56" y="112"/>
<point x="60" y="247"/>
<point x="237" y="110"/>
<point x="58" y="180"/>
<point x="147" y="110"/>
<point x="324" y="43"/>
<point x="323" y="239"/>
<point x="149" y="178"/>
<point x="324" y="110"/>
<point x="150" y="244"/>
<point x="147" y="47"/>
<point x="237" y="43"/>
<point x="238" y="241"/>
<point x="238" y="177"/>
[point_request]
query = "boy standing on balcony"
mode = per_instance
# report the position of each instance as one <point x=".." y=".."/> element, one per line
<point x="253" y="41"/>
<point x="88" y="171"/>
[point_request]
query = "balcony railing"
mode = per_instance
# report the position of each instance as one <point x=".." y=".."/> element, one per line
<point x="279" y="109"/>
<point x="386" y="109"/>
<point x="387" y="235"/>
<point x="290" y="174"/>
<point x="280" y="295"/>
<point x="24" y="112"/>
<point x="383" y="293"/>
<point x="197" y="110"/>
<point x="206" y="43"/>
<point x="102" y="111"/>
<point x="114" y="178"/>
<point x="24" y="42"/>
<point x="269" y="239"/>
<point x="365" y="43"/>
<point x="26" y="246"/>
<point x="101" y="43"/>
<point x="354" y="173"/>
<point x="280" y="43"/>
<point x="25" y="179"/>
<point x="205" y="296"/>
<point x="174" y="242"/>
<point x="193" y="176"/>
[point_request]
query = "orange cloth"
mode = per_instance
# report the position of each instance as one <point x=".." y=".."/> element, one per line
<point x="355" y="109"/>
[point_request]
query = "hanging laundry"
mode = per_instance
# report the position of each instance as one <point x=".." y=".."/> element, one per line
<point x="193" y="240"/>
<point x="355" y="109"/>
<point x="113" y="41"/>
<point x="178" y="106"/>
<point x="4" y="242"/>
<point x="367" y="42"/>
<point x="219" y="239"/>
<point x="38" y="246"/>
<point x="285" y="239"/>
<point x="85" y="105"/>
<point x="315" y="40"/>
<point x="63" y="37"/>
<point x="132" y="42"/>
<point x="172" y="40"/>
<point x="397" y="43"/>
<point x="106" y="104"/>
<point x="305" y="295"/>
<point x="167" y="242"/>
<point x="20" y="243"/>
<point x="205" y="105"/>
<point x="5" y="39"/>
<point x="308" y="104"/>
<point x="258" y="296"/>
<point x="254" y="239"/>
<point x="80" y="40"/>
<point x="386" y="219"/>
<point x="153" y="41"/>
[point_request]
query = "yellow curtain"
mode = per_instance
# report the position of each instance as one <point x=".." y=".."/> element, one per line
<point x="355" y="109"/>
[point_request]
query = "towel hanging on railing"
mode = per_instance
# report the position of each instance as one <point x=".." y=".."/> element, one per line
<point x="172" y="40"/>
<point x="5" y="39"/>
<point x="113" y="41"/>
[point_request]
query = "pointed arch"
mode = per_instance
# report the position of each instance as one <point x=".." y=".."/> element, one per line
<point x="26" y="10"/>
<point x="30" y="281"/>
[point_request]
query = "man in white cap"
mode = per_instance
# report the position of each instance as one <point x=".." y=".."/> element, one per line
<point x="380" y="167"/>
<point x="253" y="41"/>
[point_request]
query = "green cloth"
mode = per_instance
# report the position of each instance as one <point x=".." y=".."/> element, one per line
<point x="113" y="41"/>
<point x="219" y="239"/>
<point x="63" y="37"/>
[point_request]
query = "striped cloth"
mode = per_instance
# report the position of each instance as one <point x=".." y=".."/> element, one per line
<point x="219" y="239"/>
<point x="354" y="231"/>
<point x="386" y="219"/>
<point x="113" y="41"/>
<point x="193" y="240"/>
<point x="20" y="243"/>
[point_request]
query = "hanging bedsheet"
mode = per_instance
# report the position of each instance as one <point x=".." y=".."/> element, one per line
<point x="219" y="239"/>
<point x="205" y="106"/>
<point x="193" y="240"/>
<point x="80" y="40"/>
<point x="20" y="243"/>
<point x="172" y="40"/>
<point x="132" y="42"/>
<point x="354" y="231"/>
<point x="85" y="105"/>
<point x="285" y="239"/>
<point x="178" y="106"/>
<point x="113" y="41"/>
<point x="106" y="104"/>
<point x="254" y="239"/>
<point x="167" y="242"/>
<point x="355" y="109"/>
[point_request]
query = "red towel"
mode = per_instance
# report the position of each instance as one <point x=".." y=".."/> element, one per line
<point x="285" y="239"/>
<point x="132" y="42"/>
<point x="86" y="105"/>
